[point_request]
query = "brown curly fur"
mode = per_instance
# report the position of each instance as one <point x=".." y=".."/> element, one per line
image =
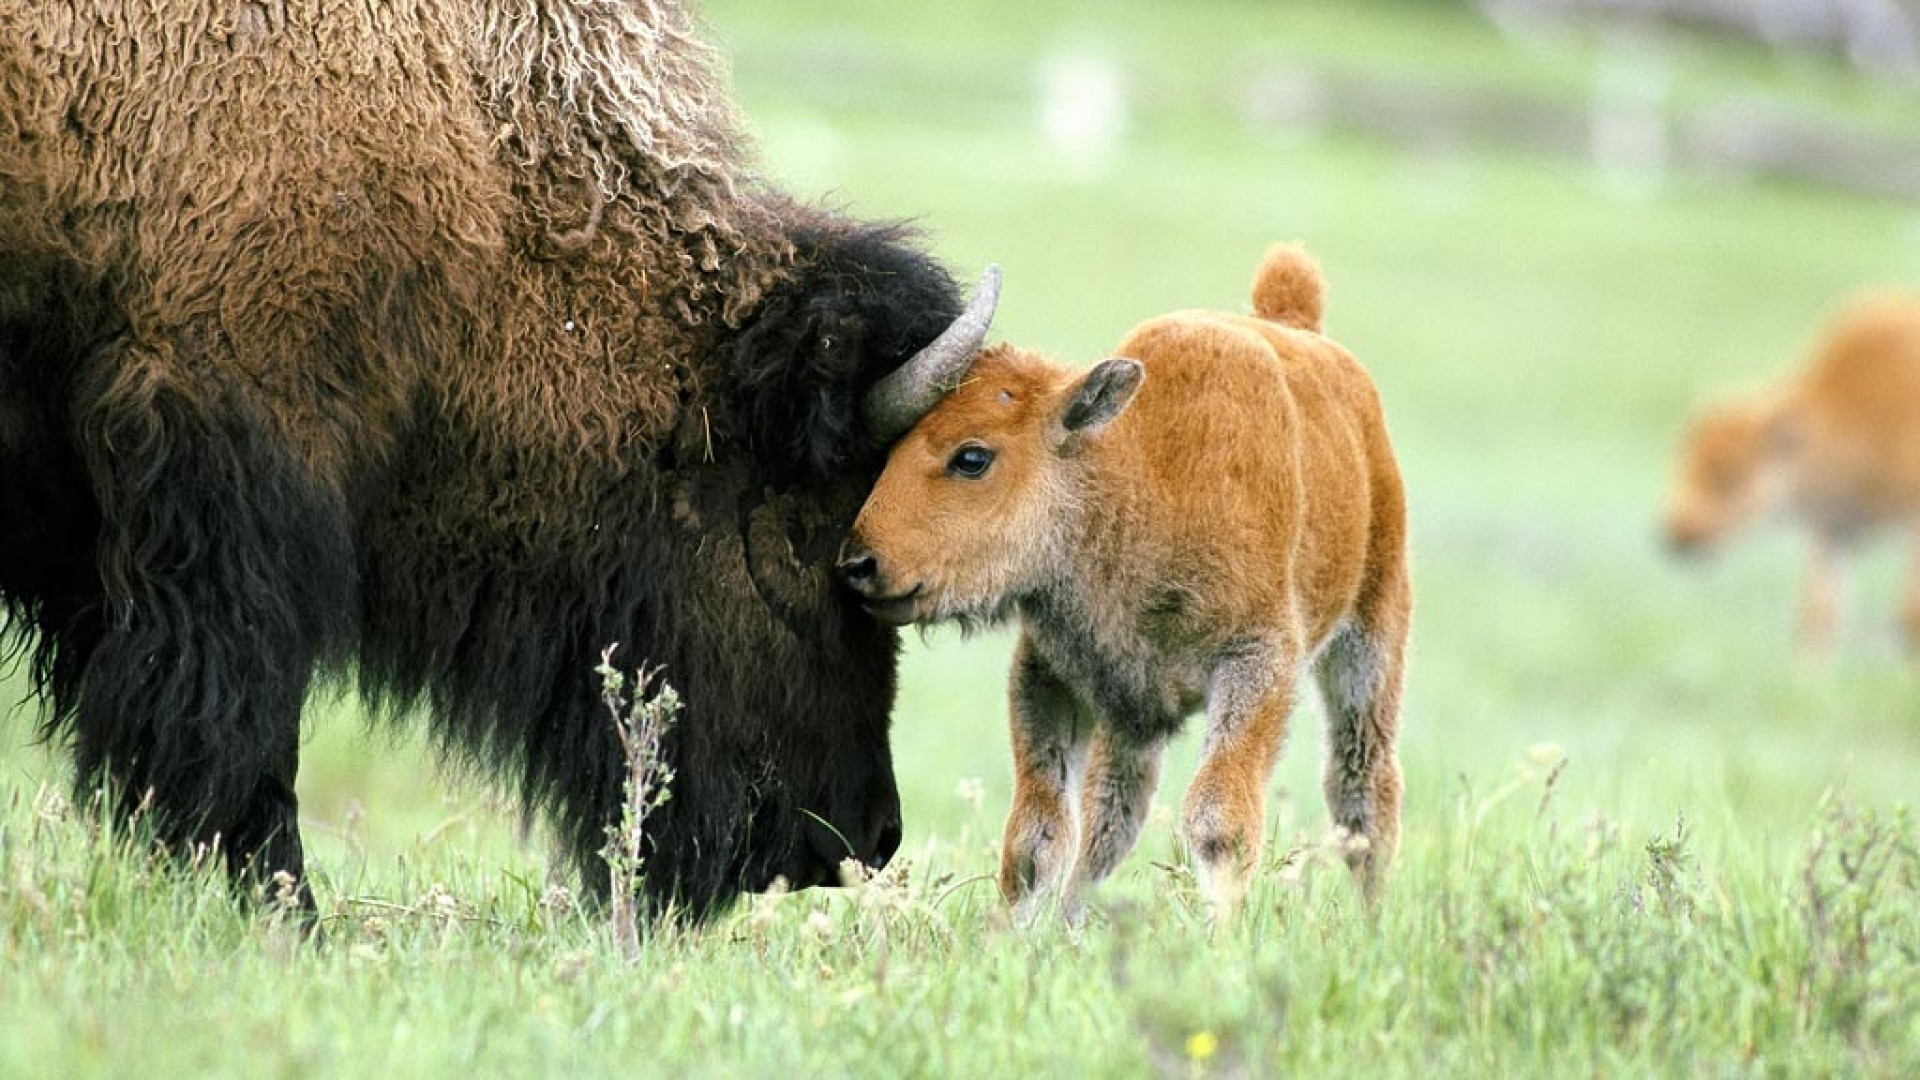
<point x="479" y="136"/>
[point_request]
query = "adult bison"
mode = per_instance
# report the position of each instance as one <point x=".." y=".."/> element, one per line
<point x="436" y="344"/>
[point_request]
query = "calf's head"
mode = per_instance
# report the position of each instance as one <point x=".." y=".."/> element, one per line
<point x="976" y="502"/>
<point x="1735" y="465"/>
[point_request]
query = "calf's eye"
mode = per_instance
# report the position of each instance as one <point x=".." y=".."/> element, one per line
<point x="970" y="462"/>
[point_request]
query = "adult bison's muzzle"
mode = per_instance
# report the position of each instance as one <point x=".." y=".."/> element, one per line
<point x="806" y="830"/>
<point x="826" y="848"/>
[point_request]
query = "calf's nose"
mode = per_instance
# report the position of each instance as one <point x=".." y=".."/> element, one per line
<point x="1682" y="541"/>
<point x="860" y="569"/>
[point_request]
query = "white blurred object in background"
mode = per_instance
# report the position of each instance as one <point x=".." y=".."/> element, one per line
<point x="1084" y="112"/>
<point x="1628" y="139"/>
<point x="1881" y="36"/>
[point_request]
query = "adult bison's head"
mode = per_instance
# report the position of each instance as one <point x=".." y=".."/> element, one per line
<point x="833" y="366"/>
<point x="865" y="339"/>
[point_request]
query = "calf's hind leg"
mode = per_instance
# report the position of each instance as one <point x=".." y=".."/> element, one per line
<point x="1360" y="673"/>
<point x="1050" y="735"/>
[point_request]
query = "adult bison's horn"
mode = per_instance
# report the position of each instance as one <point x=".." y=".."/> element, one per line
<point x="898" y="401"/>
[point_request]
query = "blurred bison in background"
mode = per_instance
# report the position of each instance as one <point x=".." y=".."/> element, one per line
<point x="1190" y="525"/>
<point x="437" y="344"/>
<point x="1836" y="448"/>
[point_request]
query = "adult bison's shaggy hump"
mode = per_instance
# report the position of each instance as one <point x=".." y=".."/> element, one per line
<point x="436" y="344"/>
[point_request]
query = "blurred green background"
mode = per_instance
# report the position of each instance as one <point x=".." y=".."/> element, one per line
<point x="1545" y="238"/>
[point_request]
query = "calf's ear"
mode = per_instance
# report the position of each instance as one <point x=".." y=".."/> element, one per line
<point x="1102" y="394"/>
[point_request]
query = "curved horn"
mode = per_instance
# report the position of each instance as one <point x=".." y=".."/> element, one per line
<point x="898" y="401"/>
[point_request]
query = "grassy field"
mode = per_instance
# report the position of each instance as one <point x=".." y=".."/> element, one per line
<point x="1642" y="835"/>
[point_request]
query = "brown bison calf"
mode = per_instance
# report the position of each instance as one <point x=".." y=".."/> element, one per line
<point x="1837" y="447"/>
<point x="1187" y="527"/>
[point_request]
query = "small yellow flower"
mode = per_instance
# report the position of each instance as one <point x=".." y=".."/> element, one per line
<point x="1202" y="1045"/>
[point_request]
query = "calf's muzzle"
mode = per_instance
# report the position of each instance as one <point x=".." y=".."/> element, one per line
<point x="860" y="568"/>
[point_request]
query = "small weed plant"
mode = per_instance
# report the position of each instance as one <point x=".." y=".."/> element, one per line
<point x="642" y="720"/>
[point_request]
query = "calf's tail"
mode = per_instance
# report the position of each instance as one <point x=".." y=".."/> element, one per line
<point x="1288" y="288"/>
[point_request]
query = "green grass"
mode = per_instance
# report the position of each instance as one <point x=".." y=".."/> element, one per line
<point x="1538" y="334"/>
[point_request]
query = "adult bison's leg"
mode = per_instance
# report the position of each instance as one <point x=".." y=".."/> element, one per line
<point x="225" y="570"/>
<point x="47" y="529"/>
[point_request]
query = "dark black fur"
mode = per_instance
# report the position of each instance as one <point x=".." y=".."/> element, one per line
<point x="185" y="581"/>
<point x="803" y="365"/>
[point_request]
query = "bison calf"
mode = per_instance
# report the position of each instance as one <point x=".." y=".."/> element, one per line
<point x="1836" y="447"/>
<point x="1185" y="527"/>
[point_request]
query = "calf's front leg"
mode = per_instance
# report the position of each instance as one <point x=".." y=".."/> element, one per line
<point x="1121" y="777"/>
<point x="1820" y="595"/>
<point x="1248" y="704"/>
<point x="1050" y="736"/>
